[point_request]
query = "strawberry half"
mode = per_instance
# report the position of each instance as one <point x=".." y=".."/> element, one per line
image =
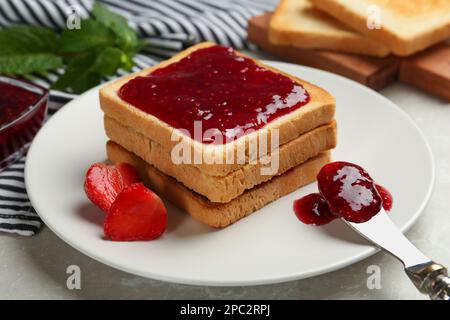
<point x="104" y="182"/>
<point x="137" y="214"/>
<point x="128" y="173"/>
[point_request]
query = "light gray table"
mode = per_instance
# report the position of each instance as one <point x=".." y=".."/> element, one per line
<point x="35" y="268"/>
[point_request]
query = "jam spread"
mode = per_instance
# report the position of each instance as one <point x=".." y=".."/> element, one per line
<point x="22" y="112"/>
<point x="346" y="191"/>
<point x="313" y="209"/>
<point x="14" y="100"/>
<point x="228" y="93"/>
<point x="386" y="196"/>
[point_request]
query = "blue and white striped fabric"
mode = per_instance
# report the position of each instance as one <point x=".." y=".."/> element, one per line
<point x="172" y="25"/>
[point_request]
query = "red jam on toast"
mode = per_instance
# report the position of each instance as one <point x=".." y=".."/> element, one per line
<point x="225" y="91"/>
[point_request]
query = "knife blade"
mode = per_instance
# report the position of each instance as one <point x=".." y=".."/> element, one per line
<point x="429" y="277"/>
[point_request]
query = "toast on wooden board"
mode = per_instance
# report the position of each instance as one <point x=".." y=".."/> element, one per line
<point x="406" y="26"/>
<point x="298" y="23"/>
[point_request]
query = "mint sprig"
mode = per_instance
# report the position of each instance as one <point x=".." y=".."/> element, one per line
<point x="103" y="44"/>
<point x="85" y="71"/>
<point x="27" y="39"/>
<point x="26" y="63"/>
<point x="127" y="39"/>
<point x="92" y="34"/>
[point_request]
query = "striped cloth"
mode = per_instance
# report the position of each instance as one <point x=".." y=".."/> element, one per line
<point x="171" y="25"/>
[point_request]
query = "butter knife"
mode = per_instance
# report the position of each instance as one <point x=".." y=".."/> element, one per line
<point x="429" y="277"/>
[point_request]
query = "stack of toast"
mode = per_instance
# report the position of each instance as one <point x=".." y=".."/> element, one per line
<point x="371" y="42"/>
<point x="299" y="23"/>
<point x="371" y="27"/>
<point x="218" y="194"/>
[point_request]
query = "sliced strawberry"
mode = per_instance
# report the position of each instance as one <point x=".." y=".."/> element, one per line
<point x="102" y="185"/>
<point x="128" y="173"/>
<point x="137" y="214"/>
<point x="104" y="182"/>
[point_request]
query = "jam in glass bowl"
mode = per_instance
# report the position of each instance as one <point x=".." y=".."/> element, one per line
<point x="23" y="108"/>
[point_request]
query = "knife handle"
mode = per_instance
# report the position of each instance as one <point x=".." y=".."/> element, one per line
<point x="431" y="278"/>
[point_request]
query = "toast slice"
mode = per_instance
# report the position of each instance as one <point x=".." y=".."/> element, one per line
<point x="298" y="23"/>
<point x="319" y="110"/>
<point x="223" y="189"/>
<point x="374" y="72"/>
<point x="406" y="26"/>
<point x="220" y="214"/>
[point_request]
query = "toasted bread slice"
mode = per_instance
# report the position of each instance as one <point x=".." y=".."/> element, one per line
<point x="220" y="214"/>
<point x="298" y="23"/>
<point x="318" y="111"/>
<point x="223" y="189"/>
<point x="374" y="72"/>
<point x="406" y="26"/>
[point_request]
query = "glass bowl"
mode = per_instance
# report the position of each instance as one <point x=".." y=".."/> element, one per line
<point x="23" y="108"/>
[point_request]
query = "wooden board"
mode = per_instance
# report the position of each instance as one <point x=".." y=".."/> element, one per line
<point x="429" y="70"/>
<point x="375" y="73"/>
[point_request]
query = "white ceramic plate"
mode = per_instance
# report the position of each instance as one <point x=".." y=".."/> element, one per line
<point x="267" y="247"/>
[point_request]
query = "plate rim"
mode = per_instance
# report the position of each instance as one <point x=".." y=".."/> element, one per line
<point x="254" y="282"/>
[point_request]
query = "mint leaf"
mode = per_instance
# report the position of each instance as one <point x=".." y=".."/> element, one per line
<point x="126" y="62"/>
<point x="84" y="81"/>
<point x="108" y="61"/>
<point x="126" y="36"/>
<point x="78" y="76"/>
<point x="91" y="35"/>
<point x="21" y="64"/>
<point x="27" y="39"/>
<point x="87" y="70"/>
<point x="104" y="44"/>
